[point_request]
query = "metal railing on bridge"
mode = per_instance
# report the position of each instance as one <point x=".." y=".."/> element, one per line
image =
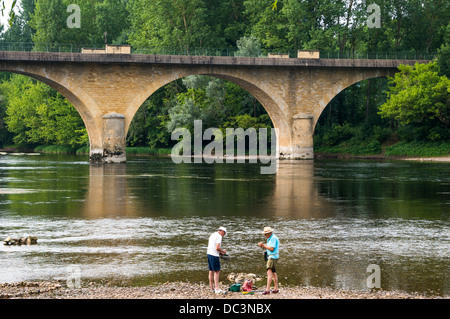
<point x="230" y="52"/>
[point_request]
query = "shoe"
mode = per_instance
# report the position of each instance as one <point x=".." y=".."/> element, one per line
<point x="266" y="292"/>
<point x="275" y="291"/>
<point x="220" y="291"/>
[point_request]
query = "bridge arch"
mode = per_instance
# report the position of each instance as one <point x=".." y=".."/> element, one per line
<point x="347" y="82"/>
<point x="74" y="95"/>
<point x="275" y="106"/>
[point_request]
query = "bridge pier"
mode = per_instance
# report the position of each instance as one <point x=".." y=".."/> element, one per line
<point x="113" y="149"/>
<point x="302" y="137"/>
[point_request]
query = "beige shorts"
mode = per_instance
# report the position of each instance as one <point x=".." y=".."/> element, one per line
<point x="271" y="264"/>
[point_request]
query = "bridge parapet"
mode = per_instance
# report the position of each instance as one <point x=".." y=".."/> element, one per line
<point x="206" y="60"/>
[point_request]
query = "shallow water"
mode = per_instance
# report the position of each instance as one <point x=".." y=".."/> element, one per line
<point x="149" y="220"/>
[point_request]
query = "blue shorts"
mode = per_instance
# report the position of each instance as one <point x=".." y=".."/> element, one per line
<point x="213" y="263"/>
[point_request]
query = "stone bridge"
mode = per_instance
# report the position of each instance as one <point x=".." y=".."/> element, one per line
<point x="108" y="89"/>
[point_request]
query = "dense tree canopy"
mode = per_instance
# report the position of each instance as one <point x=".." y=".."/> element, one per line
<point x="418" y="95"/>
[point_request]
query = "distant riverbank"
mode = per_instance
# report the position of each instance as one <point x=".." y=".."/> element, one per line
<point x="442" y="159"/>
<point x="411" y="152"/>
<point x="65" y="149"/>
<point x="399" y="150"/>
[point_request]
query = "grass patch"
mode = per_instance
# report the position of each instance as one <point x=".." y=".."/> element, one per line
<point x="352" y="147"/>
<point x="83" y="150"/>
<point x="148" y="151"/>
<point x="67" y="149"/>
<point x="56" y="149"/>
<point x="419" y="149"/>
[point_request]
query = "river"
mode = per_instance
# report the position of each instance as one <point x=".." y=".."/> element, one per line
<point x="148" y="221"/>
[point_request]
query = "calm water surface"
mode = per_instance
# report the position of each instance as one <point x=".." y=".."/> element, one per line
<point x="148" y="221"/>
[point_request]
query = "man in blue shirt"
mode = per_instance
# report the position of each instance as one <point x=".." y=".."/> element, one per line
<point x="272" y="249"/>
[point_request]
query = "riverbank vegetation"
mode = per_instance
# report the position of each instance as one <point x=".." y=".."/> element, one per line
<point x="408" y="115"/>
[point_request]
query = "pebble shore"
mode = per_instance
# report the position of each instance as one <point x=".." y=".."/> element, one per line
<point x="184" y="290"/>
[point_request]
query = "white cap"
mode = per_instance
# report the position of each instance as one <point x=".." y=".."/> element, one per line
<point x="223" y="228"/>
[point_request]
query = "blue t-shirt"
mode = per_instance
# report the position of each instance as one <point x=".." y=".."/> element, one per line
<point x="274" y="242"/>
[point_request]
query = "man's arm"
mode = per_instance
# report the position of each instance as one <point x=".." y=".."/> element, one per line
<point x="262" y="245"/>
<point x="219" y="249"/>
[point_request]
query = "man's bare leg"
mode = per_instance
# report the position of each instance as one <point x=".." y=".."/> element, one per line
<point x="216" y="279"/>
<point x="269" y="279"/>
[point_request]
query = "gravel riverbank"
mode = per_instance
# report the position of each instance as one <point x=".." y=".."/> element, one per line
<point x="183" y="290"/>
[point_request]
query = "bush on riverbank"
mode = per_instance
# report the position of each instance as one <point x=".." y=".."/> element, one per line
<point x="148" y="151"/>
<point x="406" y="149"/>
<point x="363" y="140"/>
<point x="83" y="151"/>
<point x="351" y="140"/>
<point x="420" y="149"/>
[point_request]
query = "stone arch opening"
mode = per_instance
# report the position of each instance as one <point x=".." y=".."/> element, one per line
<point x="272" y="104"/>
<point x="349" y="81"/>
<point x="351" y="114"/>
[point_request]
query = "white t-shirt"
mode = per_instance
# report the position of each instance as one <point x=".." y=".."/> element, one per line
<point x="214" y="239"/>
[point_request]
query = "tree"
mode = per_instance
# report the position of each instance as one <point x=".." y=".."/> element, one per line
<point x="20" y="30"/>
<point x="50" y="22"/>
<point x="267" y="24"/>
<point x="38" y="114"/>
<point x="418" y="95"/>
<point x="443" y="60"/>
<point x="11" y="12"/>
<point x="170" y="24"/>
<point x="248" y="46"/>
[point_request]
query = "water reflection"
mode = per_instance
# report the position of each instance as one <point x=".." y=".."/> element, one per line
<point x="196" y="190"/>
<point x="108" y="194"/>
<point x="295" y="192"/>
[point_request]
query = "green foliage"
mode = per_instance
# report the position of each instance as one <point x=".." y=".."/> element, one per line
<point x="56" y="149"/>
<point x="38" y="114"/>
<point x="83" y="150"/>
<point x="19" y="29"/>
<point x="11" y="13"/>
<point x="248" y="46"/>
<point x="212" y="100"/>
<point x="148" y="151"/>
<point x="419" y="148"/>
<point x="49" y="20"/>
<point x="353" y="140"/>
<point x="418" y="95"/>
<point x="443" y="60"/>
<point x="337" y="134"/>
<point x="170" y="23"/>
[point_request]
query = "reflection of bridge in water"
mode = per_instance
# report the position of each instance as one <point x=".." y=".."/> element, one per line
<point x="296" y="193"/>
<point x="108" y="89"/>
<point x="292" y="192"/>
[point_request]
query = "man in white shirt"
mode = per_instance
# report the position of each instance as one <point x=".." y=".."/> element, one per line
<point x="213" y="253"/>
